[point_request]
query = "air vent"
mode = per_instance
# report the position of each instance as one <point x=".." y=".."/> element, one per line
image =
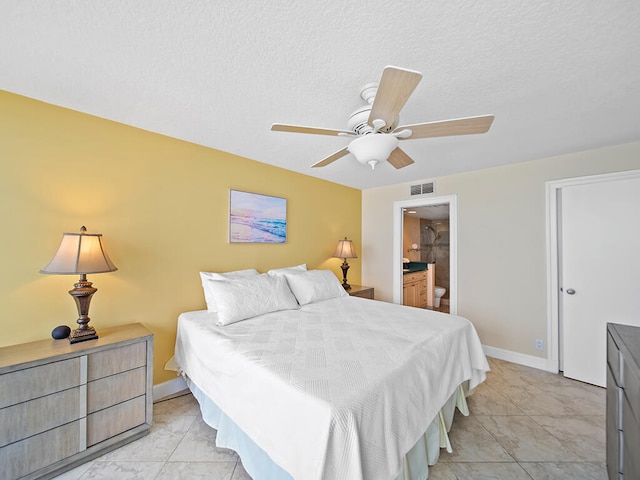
<point x="423" y="188"/>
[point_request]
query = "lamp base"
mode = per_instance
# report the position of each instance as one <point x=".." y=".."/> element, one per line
<point x="82" y="335"/>
<point x="82" y="293"/>
<point x="345" y="267"/>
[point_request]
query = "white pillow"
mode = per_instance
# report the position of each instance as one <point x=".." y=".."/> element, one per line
<point x="251" y="296"/>
<point x="314" y="286"/>
<point x="281" y="271"/>
<point x="228" y="276"/>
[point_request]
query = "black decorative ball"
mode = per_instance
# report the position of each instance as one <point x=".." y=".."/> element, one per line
<point x="60" y="332"/>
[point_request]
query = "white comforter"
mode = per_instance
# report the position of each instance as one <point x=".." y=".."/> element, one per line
<point x="340" y="389"/>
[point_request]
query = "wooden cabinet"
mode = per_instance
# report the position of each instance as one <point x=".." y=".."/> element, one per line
<point x="414" y="289"/>
<point x="63" y="404"/>
<point x="360" y="291"/>
<point x="417" y="288"/>
<point x="623" y="401"/>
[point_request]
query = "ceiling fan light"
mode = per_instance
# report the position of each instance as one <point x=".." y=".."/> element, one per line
<point x="373" y="148"/>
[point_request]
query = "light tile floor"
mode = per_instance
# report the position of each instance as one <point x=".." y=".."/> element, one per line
<point x="524" y="424"/>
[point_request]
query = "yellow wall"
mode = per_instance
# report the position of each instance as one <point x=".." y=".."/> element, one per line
<point x="162" y="207"/>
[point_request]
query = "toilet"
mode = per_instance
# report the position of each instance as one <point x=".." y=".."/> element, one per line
<point x="438" y="292"/>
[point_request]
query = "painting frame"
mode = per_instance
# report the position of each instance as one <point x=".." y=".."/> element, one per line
<point x="257" y="218"/>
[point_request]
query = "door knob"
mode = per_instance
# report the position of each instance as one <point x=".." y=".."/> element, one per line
<point x="570" y="291"/>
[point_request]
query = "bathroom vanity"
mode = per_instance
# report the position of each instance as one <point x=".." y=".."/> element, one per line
<point x="418" y="283"/>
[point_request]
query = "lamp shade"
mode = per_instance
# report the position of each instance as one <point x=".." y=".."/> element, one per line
<point x="80" y="253"/>
<point x="373" y="148"/>
<point x="345" y="249"/>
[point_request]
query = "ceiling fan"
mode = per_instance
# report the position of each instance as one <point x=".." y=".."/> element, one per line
<point x="374" y="127"/>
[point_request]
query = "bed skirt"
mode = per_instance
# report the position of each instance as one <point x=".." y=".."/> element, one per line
<point x="259" y="465"/>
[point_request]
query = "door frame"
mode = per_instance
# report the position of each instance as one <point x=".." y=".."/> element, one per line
<point x="398" y="223"/>
<point x="553" y="206"/>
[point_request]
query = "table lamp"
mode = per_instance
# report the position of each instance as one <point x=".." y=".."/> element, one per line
<point x="81" y="253"/>
<point x="345" y="250"/>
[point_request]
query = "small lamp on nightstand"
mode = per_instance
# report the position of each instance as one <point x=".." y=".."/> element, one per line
<point x="345" y="250"/>
<point x="81" y="253"/>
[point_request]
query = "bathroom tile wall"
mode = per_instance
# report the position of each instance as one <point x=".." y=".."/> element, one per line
<point x="437" y="250"/>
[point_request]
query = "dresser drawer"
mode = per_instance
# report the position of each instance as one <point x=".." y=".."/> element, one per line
<point x="631" y="462"/>
<point x="414" y="277"/>
<point x="44" y="413"/>
<point x="631" y="384"/>
<point x="109" y="391"/>
<point x="360" y="291"/>
<point x="364" y="294"/>
<point x="38" y="381"/>
<point x="615" y="436"/>
<point x="34" y="453"/>
<point x="614" y="359"/>
<point x="615" y="397"/>
<point x="116" y="360"/>
<point x="114" y="420"/>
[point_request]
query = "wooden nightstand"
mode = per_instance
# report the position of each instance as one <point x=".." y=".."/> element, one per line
<point x="64" y="404"/>
<point x="360" y="291"/>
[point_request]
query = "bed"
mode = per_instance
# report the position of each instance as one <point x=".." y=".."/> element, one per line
<point x="305" y="382"/>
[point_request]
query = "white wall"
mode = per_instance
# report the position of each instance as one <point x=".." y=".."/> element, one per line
<point x="501" y="240"/>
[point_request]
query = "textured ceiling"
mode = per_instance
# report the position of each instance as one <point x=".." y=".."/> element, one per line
<point x="560" y="76"/>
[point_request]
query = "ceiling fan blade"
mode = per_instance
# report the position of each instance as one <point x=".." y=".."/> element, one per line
<point x="399" y="158"/>
<point x="331" y="158"/>
<point x="395" y="88"/>
<point x="283" y="127"/>
<point x="445" y="128"/>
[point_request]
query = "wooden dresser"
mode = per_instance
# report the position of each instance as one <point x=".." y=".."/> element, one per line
<point x="62" y="405"/>
<point x="623" y="401"/>
<point x="360" y="291"/>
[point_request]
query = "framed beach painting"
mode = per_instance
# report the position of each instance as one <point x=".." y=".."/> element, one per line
<point x="256" y="218"/>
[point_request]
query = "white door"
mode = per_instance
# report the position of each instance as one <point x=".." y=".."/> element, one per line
<point x="599" y="271"/>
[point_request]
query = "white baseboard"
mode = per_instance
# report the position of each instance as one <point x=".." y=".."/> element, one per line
<point x="519" y="358"/>
<point x="167" y="389"/>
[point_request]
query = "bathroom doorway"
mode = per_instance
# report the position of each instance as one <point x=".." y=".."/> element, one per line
<point x="430" y="236"/>
<point x="426" y="245"/>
